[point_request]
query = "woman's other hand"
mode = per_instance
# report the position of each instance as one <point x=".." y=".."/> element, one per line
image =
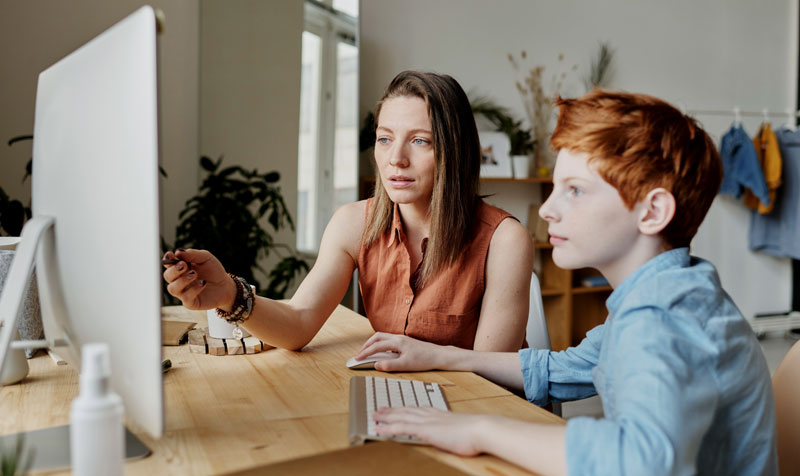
<point x="415" y="355"/>
<point x="199" y="280"/>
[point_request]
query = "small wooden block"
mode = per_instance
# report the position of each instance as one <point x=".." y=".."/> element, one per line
<point x="202" y="343"/>
<point x="252" y="345"/>
<point x="198" y="337"/>
<point x="215" y="346"/>
<point x="234" y="346"/>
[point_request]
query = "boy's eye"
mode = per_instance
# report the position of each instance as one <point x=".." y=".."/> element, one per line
<point x="575" y="191"/>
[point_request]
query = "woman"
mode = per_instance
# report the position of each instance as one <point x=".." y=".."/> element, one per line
<point x="435" y="262"/>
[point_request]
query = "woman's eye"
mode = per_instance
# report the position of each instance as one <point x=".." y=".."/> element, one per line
<point x="419" y="141"/>
<point x="383" y="140"/>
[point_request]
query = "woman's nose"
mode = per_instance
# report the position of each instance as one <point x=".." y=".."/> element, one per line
<point x="397" y="156"/>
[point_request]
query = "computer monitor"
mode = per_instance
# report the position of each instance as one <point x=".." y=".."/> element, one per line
<point x="95" y="226"/>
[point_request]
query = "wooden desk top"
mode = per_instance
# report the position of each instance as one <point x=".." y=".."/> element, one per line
<point x="228" y="413"/>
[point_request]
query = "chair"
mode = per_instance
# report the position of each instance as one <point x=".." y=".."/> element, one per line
<point x="786" y="387"/>
<point x="536" y="331"/>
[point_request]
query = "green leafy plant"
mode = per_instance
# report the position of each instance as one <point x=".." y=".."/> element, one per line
<point x="600" y="69"/>
<point x="366" y="137"/>
<point x="13" y="213"/>
<point x="226" y="216"/>
<point x="522" y="142"/>
<point x="17" y="459"/>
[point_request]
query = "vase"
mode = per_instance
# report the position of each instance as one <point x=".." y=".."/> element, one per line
<point x="521" y="165"/>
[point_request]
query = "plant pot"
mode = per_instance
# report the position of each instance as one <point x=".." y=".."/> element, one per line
<point x="521" y="164"/>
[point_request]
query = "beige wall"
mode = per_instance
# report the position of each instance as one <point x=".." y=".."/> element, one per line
<point x="36" y="34"/>
<point x="715" y="54"/>
<point x="250" y="89"/>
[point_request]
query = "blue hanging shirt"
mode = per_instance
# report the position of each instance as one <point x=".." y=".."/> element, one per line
<point x="778" y="233"/>
<point x="740" y="165"/>
<point x="684" y="383"/>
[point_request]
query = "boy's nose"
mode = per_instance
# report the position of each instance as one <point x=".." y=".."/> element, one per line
<point x="547" y="211"/>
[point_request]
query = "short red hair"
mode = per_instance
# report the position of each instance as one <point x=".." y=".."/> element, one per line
<point x="638" y="143"/>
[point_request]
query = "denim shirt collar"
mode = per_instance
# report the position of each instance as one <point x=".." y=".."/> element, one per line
<point x="675" y="258"/>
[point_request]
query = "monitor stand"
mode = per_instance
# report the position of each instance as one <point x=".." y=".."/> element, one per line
<point x="49" y="448"/>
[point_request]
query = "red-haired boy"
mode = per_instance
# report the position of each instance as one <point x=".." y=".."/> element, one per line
<point x="684" y="384"/>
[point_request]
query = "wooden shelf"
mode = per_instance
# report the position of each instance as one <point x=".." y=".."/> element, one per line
<point x="591" y="289"/>
<point x="542" y="245"/>
<point x="552" y="292"/>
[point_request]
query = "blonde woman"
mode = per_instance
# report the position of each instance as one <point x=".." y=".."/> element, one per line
<point x="435" y="261"/>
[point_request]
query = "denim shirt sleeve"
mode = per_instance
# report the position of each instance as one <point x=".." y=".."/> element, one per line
<point x="561" y="376"/>
<point x="659" y="407"/>
<point x="749" y="173"/>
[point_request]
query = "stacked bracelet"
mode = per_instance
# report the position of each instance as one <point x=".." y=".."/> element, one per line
<point x="242" y="303"/>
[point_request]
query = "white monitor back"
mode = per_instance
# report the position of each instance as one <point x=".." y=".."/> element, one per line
<point x="95" y="170"/>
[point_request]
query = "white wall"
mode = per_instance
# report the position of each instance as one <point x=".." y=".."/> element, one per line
<point x="36" y="34"/>
<point x="250" y="89"/>
<point x="713" y="54"/>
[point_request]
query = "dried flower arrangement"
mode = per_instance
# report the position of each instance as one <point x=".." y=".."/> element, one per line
<point x="537" y="98"/>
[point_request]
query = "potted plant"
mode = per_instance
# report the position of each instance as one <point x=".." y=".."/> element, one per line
<point x="13" y="213"/>
<point x="227" y="216"/>
<point x="522" y="142"/>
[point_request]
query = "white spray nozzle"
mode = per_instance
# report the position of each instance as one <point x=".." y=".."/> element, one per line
<point x="95" y="369"/>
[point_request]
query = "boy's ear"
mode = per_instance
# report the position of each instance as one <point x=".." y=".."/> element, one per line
<point x="658" y="209"/>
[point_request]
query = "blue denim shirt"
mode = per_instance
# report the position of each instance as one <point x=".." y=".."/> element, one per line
<point x="740" y="165"/>
<point x="684" y="384"/>
<point x="777" y="232"/>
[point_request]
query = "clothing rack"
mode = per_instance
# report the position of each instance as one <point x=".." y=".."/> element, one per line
<point x="737" y="113"/>
<point x="779" y="321"/>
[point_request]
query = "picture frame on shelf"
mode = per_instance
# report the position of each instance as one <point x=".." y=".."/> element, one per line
<point x="495" y="154"/>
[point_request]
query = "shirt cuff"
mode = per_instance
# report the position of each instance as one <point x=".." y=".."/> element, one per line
<point x="589" y="447"/>
<point x="535" y="374"/>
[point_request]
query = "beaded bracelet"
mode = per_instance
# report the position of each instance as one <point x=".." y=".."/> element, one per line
<point x="242" y="305"/>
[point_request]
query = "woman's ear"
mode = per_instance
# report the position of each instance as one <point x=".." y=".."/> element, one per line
<point x="658" y="209"/>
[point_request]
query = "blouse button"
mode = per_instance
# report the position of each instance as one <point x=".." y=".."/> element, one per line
<point x="407" y="301"/>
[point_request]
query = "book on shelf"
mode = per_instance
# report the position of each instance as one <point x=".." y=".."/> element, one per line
<point x="593" y="281"/>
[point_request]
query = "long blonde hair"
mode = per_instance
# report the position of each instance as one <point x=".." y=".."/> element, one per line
<point x="455" y="197"/>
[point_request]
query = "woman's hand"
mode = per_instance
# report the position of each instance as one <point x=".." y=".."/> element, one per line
<point x="415" y="355"/>
<point x="457" y="433"/>
<point x="199" y="280"/>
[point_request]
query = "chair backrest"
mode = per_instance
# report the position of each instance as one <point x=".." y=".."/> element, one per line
<point x="536" y="330"/>
<point x="786" y="387"/>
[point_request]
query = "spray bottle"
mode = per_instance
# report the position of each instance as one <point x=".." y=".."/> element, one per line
<point x="97" y="445"/>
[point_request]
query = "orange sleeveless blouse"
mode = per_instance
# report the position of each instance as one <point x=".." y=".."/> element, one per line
<point x="447" y="309"/>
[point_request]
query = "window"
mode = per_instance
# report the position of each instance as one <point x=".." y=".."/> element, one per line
<point x="328" y="142"/>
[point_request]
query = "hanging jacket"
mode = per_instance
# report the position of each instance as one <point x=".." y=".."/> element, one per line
<point x="779" y="232"/>
<point x="769" y="157"/>
<point x="740" y="165"/>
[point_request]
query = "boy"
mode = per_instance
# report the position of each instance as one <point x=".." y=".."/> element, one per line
<point x="684" y="385"/>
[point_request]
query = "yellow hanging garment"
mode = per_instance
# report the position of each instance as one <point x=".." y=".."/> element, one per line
<point x="769" y="156"/>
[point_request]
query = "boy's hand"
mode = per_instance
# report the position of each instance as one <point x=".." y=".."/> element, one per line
<point x="415" y="355"/>
<point x="199" y="280"/>
<point x="454" y="432"/>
